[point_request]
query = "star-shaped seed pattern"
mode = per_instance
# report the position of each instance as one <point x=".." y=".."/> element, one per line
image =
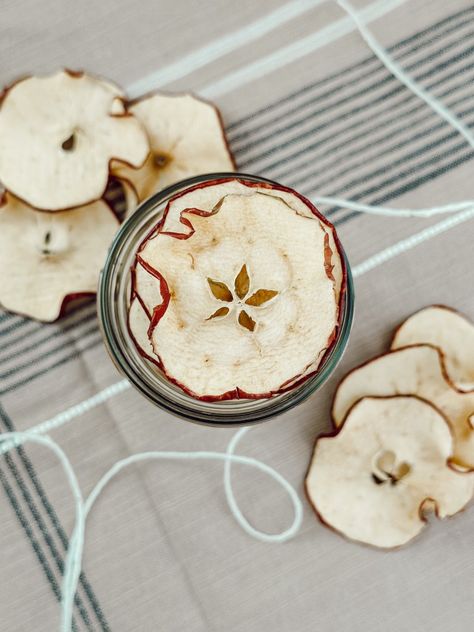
<point x="240" y="295"/>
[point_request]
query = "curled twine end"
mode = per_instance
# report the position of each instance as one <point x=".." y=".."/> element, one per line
<point x="73" y="562"/>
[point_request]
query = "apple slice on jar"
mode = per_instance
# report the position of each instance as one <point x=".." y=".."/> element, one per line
<point x="209" y="196"/>
<point x="248" y="302"/>
<point x="145" y="298"/>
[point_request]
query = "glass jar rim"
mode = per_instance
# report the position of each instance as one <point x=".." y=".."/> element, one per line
<point x="112" y="303"/>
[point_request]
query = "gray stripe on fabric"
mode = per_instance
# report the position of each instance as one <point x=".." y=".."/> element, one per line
<point x="35" y="326"/>
<point x="55" y="523"/>
<point x="55" y="334"/>
<point x="374" y="142"/>
<point x="50" y="548"/>
<point x="437" y="26"/>
<point x="76" y="354"/>
<point x="363" y="107"/>
<point x="409" y="186"/>
<point x="333" y="92"/>
<point x="66" y="343"/>
<point x="35" y="545"/>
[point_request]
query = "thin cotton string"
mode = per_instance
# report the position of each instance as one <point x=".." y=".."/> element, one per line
<point x="73" y="562"/>
<point x="238" y="515"/>
<point x="430" y="100"/>
<point x="395" y="212"/>
<point x="70" y="413"/>
<point x="401" y="75"/>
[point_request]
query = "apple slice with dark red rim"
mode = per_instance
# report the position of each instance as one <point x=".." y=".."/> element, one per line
<point x="414" y="370"/>
<point x="231" y="348"/>
<point x="208" y="196"/>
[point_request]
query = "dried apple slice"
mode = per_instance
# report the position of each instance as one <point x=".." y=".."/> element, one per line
<point x="447" y="329"/>
<point x="146" y="296"/>
<point x="206" y="197"/>
<point x="416" y="370"/>
<point x="265" y="263"/>
<point x="138" y="324"/>
<point x="148" y="287"/>
<point x="131" y="198"/>
<point x="386" y="467"/>
<point x="47" y="257"/>
<point x="59" y="134"/>
<point x="186" y="138"/>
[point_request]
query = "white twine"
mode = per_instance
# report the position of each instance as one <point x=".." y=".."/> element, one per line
<point x="431" y="101"/>
<point x="73" y="562"/>
<point x="401" y="75"/>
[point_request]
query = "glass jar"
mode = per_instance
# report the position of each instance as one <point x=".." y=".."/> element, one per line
<point x="113" y="299"/>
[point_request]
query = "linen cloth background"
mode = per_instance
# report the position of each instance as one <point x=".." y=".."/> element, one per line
<point x="305" y="103"/>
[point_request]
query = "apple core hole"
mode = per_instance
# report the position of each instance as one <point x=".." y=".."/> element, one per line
<point x="389" y="469"/>
<point x="70" y="143"/>
<point x="161" y="160"/>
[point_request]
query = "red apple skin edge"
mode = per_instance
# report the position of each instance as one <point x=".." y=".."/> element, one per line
<point x="441" y="352"/>
<point x="421" y="513"/>
<point x="134" y="295"/>
<point x="437" y="306"/>
<point x="161" y="309"/>
<point x="255" y="185"/>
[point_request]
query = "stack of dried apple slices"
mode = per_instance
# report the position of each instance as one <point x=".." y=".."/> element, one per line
<point x="238" y="291"/>
<point x="64" y="137"/>
<point x="404" y="439"/>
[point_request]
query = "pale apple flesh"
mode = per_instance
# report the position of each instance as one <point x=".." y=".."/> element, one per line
<point x="388" y="464"/>
<point x="47" y="258"/>
<point x="221" y="336"/>
<point x="186" y="137"/>
<point x="447" y="329"/>
<point x="59" y="133"/>
<point x="413" y="370"/>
